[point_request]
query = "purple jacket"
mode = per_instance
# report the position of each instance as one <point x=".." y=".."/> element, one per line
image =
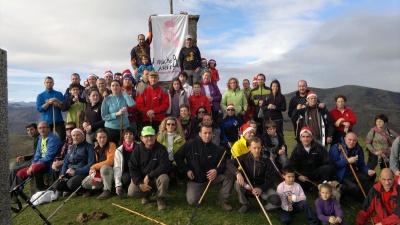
<point x="215" y="94"/>
<point x="325" y="209"/>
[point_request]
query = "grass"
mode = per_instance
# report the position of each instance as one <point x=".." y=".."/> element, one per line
<point x="178" y="211"/>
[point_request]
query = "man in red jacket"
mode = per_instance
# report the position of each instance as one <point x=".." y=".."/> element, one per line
<point x="197" y="100"/>
<point x="153" y="103"/>
<point x="383" y="200"/>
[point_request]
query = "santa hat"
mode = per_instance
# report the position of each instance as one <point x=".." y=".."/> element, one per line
<point x="306" y="129"/>
<point x="108" y="72"/>
<point x="127" y="71"/>
<point x="92" y="75"/>
<point x="254" y="80"/>
<point x="79" y="130"/>
<point x="311" y="93"/>
<point x="96" y="178"/>
<point x="230" y="106"/>
<point x="203" y="60"/>
<point x="246" y="128"/>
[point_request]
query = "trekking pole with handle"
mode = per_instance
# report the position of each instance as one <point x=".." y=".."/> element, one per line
<point x="258" y="198"/>
<point x="205" y="190"/>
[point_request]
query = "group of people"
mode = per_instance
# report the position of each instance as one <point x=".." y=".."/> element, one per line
<point x="132" y="136"/>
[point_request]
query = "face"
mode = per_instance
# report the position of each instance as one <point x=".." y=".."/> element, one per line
<point x="200" y="113"/>
<point x="92" y="81"/>
<point x="249" y="135"/>
<point x="302" y="87"/>
<point x="49" y="83"/>
<point x="350" y="140"/>
<point x="148" y="140"/>
<point x="254" y="126"/>
<point x="75" y="79"/>
<point x="271" y="131"/>
<point x="101" y="139"/>
<point x="171" y="125"/>
<point x="127" y="82"/>
<point x="255" y="84"/>
<point x="206" y="77"/>
<point x="188" y="42"/>
<point x="117" y="77"/>
<point x="207" y="120"/>
<point x="203" y="64"/>
<point x="386" y="179"/>
<point x="145" y="61"/>
<point x="232" y="84"/>
<point x="230" y="112"/>
<point x="44" y="129"/>
<point x="176" y="85"/>
<point x="325" y="193"/>
<point x="274" y="88"/>
<point x="101" y="84"/>
<point x="115" y="88"/>
<point x="183" y="112"/>
<point x="196" y="89"/>
<point x="77" y="137"/>
<point x="246" y="84"/>
<point x="74" y="91"/>
<point x="31" y="131"/>
<point x="128" y="137"/>
<point x="380" y="124"/>
<point x="182" y="79"/>
<point x="212" y="65"/>
<point x="306" y="139"/>
<point x="108" y="78"/>
<point x="94" y="97"/>
<point x="312" y="100"/>
<point x="255" y="149"/>
<point x="289" y="178"/>
<point x="260" y="80"/>
<point x="153" y="80"/>
<point x="206" y="134"/>
<point x="145" y="75"/>
<point x="68" y="129"/>
<point x="340" y="103"/>
<point x="141" y="40"/>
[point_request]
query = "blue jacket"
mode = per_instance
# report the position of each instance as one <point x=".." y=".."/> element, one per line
<point x="47" y="115"/>
<point x="53" y="145"/>
<point x="341" y="163"/>
<point x="80" y="157"/>
<point x="111" y="105"/>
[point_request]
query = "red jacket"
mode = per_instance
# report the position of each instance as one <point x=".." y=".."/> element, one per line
<point x="214" y="75"/>
<point x="374" y="204"/>
<point x="196" y="101"/>
<point x="153" y="98"/>
<point x="348" y="116"/>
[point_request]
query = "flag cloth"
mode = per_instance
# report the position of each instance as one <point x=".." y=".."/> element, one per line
<point x="169" y="33"/>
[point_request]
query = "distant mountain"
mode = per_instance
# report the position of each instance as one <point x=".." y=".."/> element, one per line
<point x="365" y="102"/>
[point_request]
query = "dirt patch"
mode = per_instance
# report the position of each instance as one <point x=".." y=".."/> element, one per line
<point x="95" y="216"/>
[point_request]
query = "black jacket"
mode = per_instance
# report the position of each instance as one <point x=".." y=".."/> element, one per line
<point x="199" y="157"/>
<point x="318" y="156"/>
<point x="152" y="162"/>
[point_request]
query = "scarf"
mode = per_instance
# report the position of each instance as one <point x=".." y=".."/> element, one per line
<point x="128" y="148"/>
<point x="204" y="82"/>
<point x="185" y="120"/>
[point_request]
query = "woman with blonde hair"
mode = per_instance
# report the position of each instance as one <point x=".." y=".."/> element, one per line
<point x="172" y="137"/>
<point x="234" y="96"/>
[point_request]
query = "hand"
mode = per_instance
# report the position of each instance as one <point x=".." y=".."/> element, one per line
<point x="239" y="179"/>
<point x="88" y="128"/>
<point x="281" y="151"/>
<point x="397" y="173"/>
<point x="70" y="171"/>
<point x="338" y="122"/>
<point x="303" y="178"/>
<point x="378" y="153"/>
<point x="85" y="124"/>
<point x="123" y="91"/>
<point x="299" y="106"/>
<point x="210" y="99"/>
<point x="29" y="172"/>
<point x="137" y="70"/>
<point x="117" y="190"/>
<point x="150" y="113"/>
<point x="346" y="124"/>
<point x="334" y="183"/>
<point x="257" y="192"/>
<point x="211" y="174"/>
<point x="329" y="140"/>
<point x="260" y="102"/>
<point x="190" y="175"/>
<point x="289" y="198"/>
<point x="121" y="111"/>
<point x="20" y="158"/>
<point x="271" y="106"/>
<point x="145" y="187"/>
<point x="75" y="98"/>
<point x="371" y="173"/>
<point x="338" y="220"/>
<point x="146" y="180"/>
<point x="321" y="105"/>
<point x="290" y="208"/>
<point x="332" y="219"/>
<point x="352" y="159"/>
<point x="79" y="113"/>
<point x="197" y="69"/>
<point x="105" y="94"/>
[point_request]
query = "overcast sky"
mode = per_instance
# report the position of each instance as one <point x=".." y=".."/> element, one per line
<point x="327" y="43"/>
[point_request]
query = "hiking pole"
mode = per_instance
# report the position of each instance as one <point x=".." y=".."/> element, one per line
<point x="308" y="180"/>
<point x="384" y="160"/>
<point x="258" y="198"/>
<point x="54" y="120"/>
<point x="139" y="214"/>
<point x="204" y="192"/>
<point x="277" y="170"/>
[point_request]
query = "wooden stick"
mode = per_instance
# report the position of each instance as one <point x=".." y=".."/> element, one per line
<point x="54" y="120"/>
<point x="258" y="199"/>
<point x="308" y="180"/>
<point x="139" y="214"/>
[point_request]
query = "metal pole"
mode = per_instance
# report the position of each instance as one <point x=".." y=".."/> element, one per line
<point x="171" y="8"/>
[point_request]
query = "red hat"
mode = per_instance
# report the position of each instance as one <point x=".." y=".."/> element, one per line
<point x="203" y="60"/>
<point x="81" y="131"/>
<point x="311" y="93"/>
<point x="306" y="129"/>
<point x="93" y="75"/>
<point x="230" y="106"/>
<point x="254" y="80"/>
<point x="246" y="128"/>
<point x="127" y="71"/>
<point x="212" y="61"/>
<point x="108" y="72"/>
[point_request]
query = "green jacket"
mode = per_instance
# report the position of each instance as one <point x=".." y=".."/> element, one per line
<point x="178" y="141"/>
<point x="237" y="98"/>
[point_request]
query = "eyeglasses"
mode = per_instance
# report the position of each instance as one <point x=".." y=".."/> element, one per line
<point x="230" y="110"/>
<point x="201" y="112"/>
<point x="69" y="128"/>
<point x="171" y="124"/>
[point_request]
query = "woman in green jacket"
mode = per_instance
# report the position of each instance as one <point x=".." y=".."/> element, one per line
<point x="234" y="96"/>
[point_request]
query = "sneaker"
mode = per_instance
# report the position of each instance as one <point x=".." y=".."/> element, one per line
<point x="86" y="194"/>
<point x="145" y="201"/>
<point x="122" y="193"/>
<point x="244" y="208"/>
<point x="225" y="206"/>
<point x="161" y="203"/>
<point x="106" y="194"/>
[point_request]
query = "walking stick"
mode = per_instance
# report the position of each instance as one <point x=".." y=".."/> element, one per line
<point x="308" y="180"/>
<point x="139" y="214"/>
<point x="258" y="199"/>
<point x="277" y="170"/>
<point x="54" y="120"/>
<point x="205" y="190"/>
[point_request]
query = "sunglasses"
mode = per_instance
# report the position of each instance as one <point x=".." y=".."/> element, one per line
<point x="170" y="124"/>
<point x="69" y="128"/>
<point x="230" y="110"/>
<point x="201" y="112"/>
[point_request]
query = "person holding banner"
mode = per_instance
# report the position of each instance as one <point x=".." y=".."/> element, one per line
<point x="190" y="59"/>
<point x="143" y="48"/>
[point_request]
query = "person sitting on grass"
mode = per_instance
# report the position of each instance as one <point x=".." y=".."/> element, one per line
<point x="101" y="174"/>
<point x="327" y="208"/>
<point x="293" y="199"/>
<point x="260" y="171"/>
<point x="149" y="167"/>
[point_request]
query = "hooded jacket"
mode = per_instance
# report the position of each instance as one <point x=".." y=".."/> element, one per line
<point x="153" y="98"/>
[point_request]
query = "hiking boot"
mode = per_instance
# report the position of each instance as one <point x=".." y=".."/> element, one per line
<point x="86" y="194"/>
<point x="244" y="208"/>
<point x="145" y="201"/>
<point x="122" y="193"/>
<point x="225" y="206"/>
<point x="161" y="203"/>
<point x="106" y="194"/>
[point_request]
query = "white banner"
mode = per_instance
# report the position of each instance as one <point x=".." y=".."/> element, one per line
<point x="169" y="33"/>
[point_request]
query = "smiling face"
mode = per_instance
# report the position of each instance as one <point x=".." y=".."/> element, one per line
<point x="101" y="139"/>
<point x="94" y="97"/>
<point x="188" y="42"/>
<point x="170" y="125"/>
<point x="183" y="112"/>
<point x="232" y="84"/>
<point x="274" y="88"/>
<point x="302" y="87"/>
<point x="306" y="139"/>
<point x="128" y="137"/>
<point x="380" y="124"/>
<point x="115" y="88"/>
<point x="206" y="76"/>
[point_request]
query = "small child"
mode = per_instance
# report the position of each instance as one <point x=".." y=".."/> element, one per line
<point x="327" y="208"/>
<point x="73" y="104"/>
<point x="276" y="143"/>
<point x="214" y="72"/>
<point x="145" y="64"/>
<point x="293" y="199"/>
<point x="202" y="68"/>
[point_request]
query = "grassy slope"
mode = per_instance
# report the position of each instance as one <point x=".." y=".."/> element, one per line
<point x="178" y="211"/>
